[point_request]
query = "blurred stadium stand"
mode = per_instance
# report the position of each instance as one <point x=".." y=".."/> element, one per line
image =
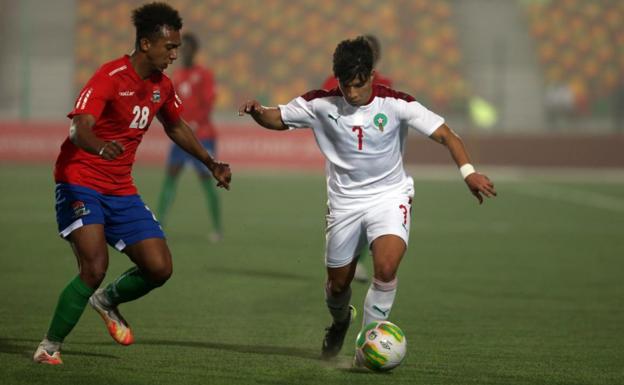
<point x="580" y="45"/>
<point x="286" y="49"/>
<point x="546" y="67"/>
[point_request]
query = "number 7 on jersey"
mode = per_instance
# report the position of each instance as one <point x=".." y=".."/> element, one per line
<point x="360" y="135"/>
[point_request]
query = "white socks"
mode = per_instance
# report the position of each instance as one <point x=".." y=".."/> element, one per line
<point x="50" y="346"/>
<point x="338" y="306"/>
<point x="379" y="300"/>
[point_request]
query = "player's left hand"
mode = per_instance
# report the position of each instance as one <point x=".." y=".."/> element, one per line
<point x="480" y="185"/>
<point x="223" y="174"/>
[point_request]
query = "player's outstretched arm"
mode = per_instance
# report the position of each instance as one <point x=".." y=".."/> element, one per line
<point x="267" y="117"/>
<point x="479" y="184"/>
<point x="81" y="134"/>
<point x="183" y="136"/>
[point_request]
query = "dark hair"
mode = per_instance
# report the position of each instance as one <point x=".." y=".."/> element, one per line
<point x="149" y="19"/>
<point x="190" y="40"/>
<point x="353" y="58"/>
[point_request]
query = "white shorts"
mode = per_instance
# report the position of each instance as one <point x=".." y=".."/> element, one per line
<point x="349" y="230"/>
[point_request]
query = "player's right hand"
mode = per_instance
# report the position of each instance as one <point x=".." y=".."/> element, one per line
<point x="251" y="106"/>
<point x="111" y="150"/>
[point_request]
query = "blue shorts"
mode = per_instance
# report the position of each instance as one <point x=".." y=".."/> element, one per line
<point x="126" y="219"/>
<point x="179" y="157"/>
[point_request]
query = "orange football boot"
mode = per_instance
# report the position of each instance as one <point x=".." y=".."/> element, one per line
<point x="42" y="356"/>
<point x="117" y="326"/>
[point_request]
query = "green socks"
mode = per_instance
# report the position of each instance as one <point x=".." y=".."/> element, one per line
<point x="69" y="308"/>
<point x="129" y="286"/>
<point x="73" y="300"/>
<point x="166" y="198"/>
<point x="212" y="198"/>
<point x="167" y="195"/>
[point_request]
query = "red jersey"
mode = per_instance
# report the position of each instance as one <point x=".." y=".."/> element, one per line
<point x="331" y="82"/>
<point x="123" y="105"/>
<point x="196" y="87"/>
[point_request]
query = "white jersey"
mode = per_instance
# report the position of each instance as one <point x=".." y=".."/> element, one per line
<point x="362" y="145"/>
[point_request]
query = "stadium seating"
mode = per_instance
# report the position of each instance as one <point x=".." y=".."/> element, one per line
<point x="287" y="49"/>
<point x="577" y="46"/>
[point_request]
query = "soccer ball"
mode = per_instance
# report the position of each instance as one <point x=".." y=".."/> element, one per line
<point x="380" y="346"/>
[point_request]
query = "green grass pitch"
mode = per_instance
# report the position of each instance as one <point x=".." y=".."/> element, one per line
<point x="526" y="289"/>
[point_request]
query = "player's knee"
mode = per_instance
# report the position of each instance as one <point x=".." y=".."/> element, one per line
<point x="337" y="287"/>
<point x="160" y="275"/>
<point x="385" y="273"/>
<point x="93" y="276"/>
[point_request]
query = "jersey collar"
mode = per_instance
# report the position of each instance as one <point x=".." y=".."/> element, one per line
<point x="372" y="97"/>
<point x="131" y="69"/>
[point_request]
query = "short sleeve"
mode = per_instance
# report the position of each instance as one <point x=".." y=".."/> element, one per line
<point x="418" y="117"/>
<point x="298" y="113"/>
<point x="171" y="109"/>
<point x="94" y="96"/>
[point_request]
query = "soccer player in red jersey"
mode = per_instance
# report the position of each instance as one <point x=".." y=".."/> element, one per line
<point x="96" y="200"/>
<point x="195" y="86"/>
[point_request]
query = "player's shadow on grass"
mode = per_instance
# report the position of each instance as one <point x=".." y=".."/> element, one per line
<point x="250" y="349"/>
<point x="259" y="273"/>
<point x="26" y="348"/>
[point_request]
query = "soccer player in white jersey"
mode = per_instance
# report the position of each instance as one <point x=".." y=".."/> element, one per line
<point x="361" y="131"/>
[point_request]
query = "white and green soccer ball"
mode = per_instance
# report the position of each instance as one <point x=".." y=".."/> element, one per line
<point x="380" y="346"/>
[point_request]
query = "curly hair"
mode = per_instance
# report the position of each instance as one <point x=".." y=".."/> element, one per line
<point x="353" y="59"/>
<point x="149" y="19"/>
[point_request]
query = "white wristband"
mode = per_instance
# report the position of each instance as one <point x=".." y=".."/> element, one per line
<point x="102" y="150"/>
<point x="466" y="170"/>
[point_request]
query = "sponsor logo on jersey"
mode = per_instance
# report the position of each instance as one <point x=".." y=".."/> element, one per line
<point x="156" y="95"/>
<point x="380" y="120"/>
<point x="126" y="93"/>
<point x="334" y="118"/>
<point x="80" y="210"/>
